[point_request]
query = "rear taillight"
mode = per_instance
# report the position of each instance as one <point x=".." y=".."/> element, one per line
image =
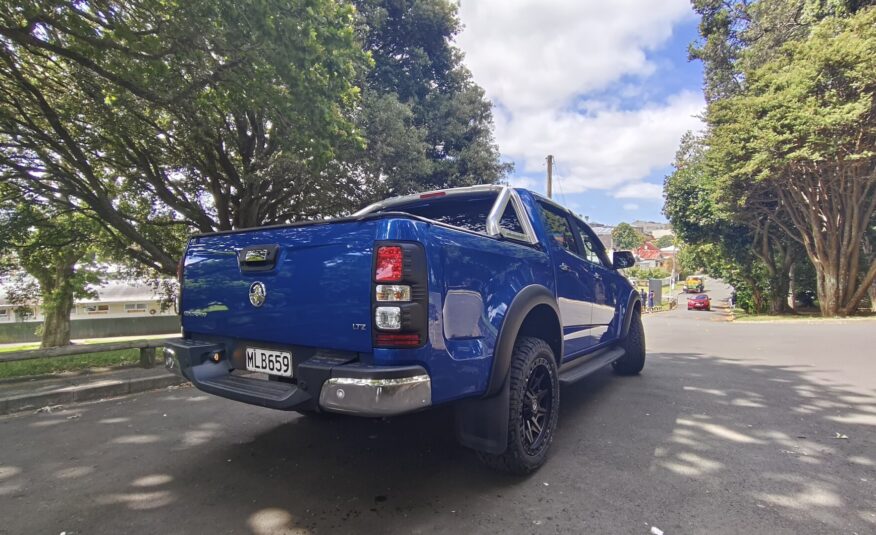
<point x="390" y="264"/>
<point x="392" y="292"/>
<point x="388" y="318"/>
<point x="399" y="310"/>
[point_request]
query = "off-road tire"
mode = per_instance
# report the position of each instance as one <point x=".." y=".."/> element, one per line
<point x="634" y="348"/>
<point x="531" y="356"/>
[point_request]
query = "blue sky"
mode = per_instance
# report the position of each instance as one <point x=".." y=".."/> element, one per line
<point x="603" y="86"/>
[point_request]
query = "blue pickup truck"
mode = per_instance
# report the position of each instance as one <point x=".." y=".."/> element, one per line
<point x="487" y="298"/>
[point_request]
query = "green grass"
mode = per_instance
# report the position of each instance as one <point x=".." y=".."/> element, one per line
<point x="741" y="316"/>
<point x="108" y="359"/>
<point x="19" y="347"/>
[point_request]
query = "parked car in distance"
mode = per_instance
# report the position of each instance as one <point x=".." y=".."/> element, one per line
<point x="694" y="284"/>
<point x="486" y="298"/>
<point x="699" y="302"/>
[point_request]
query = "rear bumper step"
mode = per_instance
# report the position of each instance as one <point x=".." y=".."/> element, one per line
<point x="327" y="384"/>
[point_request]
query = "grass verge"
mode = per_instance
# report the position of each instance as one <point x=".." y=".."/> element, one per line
<point x="19" y="347"/>
<point x="743" y="317"/>
<point x="108" y="359"/>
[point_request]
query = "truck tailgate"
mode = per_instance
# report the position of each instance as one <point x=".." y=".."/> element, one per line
<point x="317" y="294"/>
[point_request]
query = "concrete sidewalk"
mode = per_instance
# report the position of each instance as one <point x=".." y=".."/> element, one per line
<point x="30" y="395"/>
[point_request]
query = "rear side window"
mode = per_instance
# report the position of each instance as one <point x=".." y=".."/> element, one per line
<point x="593" y="251"/>
<point x="557" y="224"/>
<point x="465" y="211"/>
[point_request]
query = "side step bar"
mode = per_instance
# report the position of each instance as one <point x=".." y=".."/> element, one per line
<point x="573" y="371"/>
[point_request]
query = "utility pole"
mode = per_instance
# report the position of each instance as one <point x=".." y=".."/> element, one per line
<point x="550" y="176"/>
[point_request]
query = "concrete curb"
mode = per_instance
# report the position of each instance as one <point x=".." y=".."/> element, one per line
<point x="88" y="392"/>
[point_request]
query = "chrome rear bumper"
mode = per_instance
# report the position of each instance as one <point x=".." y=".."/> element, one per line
<point x="348" y="388"/>
<point x="376" y="396"/>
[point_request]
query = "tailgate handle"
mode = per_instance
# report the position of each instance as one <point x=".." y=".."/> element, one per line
<point x="258" y="257"/>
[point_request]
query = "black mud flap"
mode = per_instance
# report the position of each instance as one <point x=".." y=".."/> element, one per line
<point x="482" y="423"/>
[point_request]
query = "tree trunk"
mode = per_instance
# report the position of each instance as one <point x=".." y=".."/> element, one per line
<point x="872" y="293"/>
<point x="56" y="327"/>
<point x="792" y="288"/>
<point x="830" y="206"/>
<point x="57" y="299"/>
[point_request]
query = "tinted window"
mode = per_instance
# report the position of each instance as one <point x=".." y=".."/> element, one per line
<point x="509" y="219"/>
<point x="557" y="225"/>
<point x="466" y="211"/>
<point x="592" y="247"/>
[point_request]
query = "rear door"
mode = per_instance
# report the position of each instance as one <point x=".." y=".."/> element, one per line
<point x="574" y="283"/>
<point x="606" y="281"/>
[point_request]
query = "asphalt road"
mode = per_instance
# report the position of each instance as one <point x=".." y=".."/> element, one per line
<point x="732" y="428"/>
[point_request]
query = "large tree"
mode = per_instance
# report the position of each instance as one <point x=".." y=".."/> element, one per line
<point x="420" y="93"/>
<point x="624" y="236"/>
<point x="749" y="50"/>
<point x="51" y="259"/>
<point x="153" y="113"/>
<point x="804" y="130"/>
<point x="168" y="116"/>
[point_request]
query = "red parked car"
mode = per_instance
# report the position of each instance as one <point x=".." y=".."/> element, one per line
<point x="699" y="302"/>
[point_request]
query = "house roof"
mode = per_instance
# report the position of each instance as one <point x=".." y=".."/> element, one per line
<point x="649" y="251"/>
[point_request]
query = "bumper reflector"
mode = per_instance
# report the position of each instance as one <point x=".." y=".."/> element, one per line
<point x="397" y="339"/>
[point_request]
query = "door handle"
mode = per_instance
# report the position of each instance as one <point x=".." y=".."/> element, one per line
<point x="597" y="276"/>
<point x="565" y="267"/>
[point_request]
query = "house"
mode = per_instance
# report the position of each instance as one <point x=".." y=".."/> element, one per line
<point x="112" y="300"/>
<point x="650" y="227"/>
<point x="669" y="252"/>
<point x="648" y="255"/>
<point x="603" y="232"/>
<point x="659" y="233"/>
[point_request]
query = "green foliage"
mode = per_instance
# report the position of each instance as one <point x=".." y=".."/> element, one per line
<point x="54" y="253"/>
<point x="790" y="145"/>
<point x="647" y="273"/>
<point x="163" y="117"/>
<point x="625" y="237"/>
<point x="427" y="125"/>
<point x="798" y="144"/>
<point x="665" y="241"/>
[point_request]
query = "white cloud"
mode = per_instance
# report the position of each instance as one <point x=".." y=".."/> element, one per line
<point x="541" y="53"/>
<point x="631" y="207"/>
<point x="640" y="190"/>
<point x="602" y="150"/>
<point x="558" y="72"/>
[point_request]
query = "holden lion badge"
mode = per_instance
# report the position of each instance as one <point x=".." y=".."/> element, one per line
<point x="257" y="294"/>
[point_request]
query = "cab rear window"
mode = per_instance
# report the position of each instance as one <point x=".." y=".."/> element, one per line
<point x="465" y="211"/>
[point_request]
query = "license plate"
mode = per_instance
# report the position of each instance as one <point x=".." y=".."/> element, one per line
<point x="269" y="361"/>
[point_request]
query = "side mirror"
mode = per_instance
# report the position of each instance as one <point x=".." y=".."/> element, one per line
<point x="623" y="260"/>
